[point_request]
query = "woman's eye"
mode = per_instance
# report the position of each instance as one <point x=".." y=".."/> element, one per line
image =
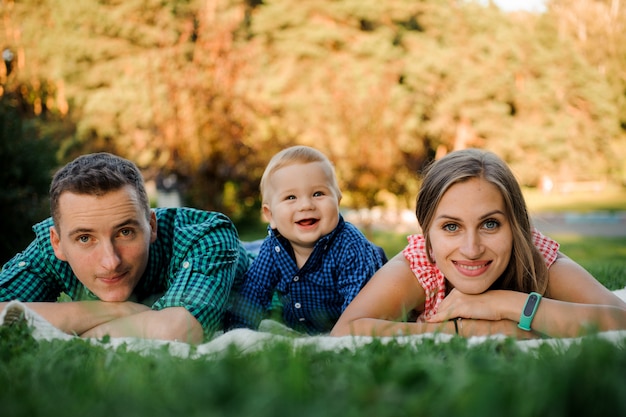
<point x="451" y="227"/>
<point x="491" y="224"/>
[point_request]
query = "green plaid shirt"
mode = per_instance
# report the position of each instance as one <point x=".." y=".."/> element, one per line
<point x="193" y="263"/>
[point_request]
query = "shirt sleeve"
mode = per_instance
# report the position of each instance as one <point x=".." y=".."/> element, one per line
<point x="428" y="275"/>
<point x="548" y="248"/>
<point x="252" y="300"/>
<point x="359" y="263"/>
<point x="207" y="256"/>
<point x="29" y="276"/>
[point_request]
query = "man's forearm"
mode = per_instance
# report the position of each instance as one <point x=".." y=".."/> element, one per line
<point x="173" y="323"/>
<point x="78" y="317"/>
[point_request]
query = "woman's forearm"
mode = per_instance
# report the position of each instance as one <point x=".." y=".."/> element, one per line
<point x="379" y="327"/>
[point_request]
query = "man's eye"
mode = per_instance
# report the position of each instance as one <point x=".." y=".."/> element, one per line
<point x="451" y="227"/>
<point x="126" y="232"/>
<point x="83" y="239"/>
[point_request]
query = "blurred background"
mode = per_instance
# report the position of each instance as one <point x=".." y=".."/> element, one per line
<point x="201" y="93"/>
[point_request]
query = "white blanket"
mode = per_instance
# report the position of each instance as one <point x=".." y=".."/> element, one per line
<point x="246" y="340"/>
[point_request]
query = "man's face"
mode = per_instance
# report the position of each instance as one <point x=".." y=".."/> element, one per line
<point x="105" y="239"/>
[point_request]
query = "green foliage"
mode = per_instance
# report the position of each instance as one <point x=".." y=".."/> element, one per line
<point x="27" y="155"/>
<point x="380" y="379"/>
<point x="209" y="90"/>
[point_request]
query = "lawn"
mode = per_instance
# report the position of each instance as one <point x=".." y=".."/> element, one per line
<point x="496" y="378"/>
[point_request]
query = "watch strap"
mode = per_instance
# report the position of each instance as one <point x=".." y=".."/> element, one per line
<point x="529" y="310"/>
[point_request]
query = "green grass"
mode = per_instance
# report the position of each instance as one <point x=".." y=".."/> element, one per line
<point x="491" y="380"/>
<point x="603" y="257"/>
<point x="452" y="379"/>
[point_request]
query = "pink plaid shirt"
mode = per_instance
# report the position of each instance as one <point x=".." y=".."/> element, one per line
<point x="433" y="281"/>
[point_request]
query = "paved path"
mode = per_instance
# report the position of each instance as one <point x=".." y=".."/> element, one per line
<point x="588" y="224"/>
<point x="591" y="224"/>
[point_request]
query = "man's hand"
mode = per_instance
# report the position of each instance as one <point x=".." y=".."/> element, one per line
<point x="123" y="319"/>
<point x="77" y="317"/>
<point x="173" y="323"/>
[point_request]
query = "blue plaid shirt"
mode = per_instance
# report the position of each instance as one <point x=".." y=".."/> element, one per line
<point x="193" y="263"/>
<point x="312" y="298"/>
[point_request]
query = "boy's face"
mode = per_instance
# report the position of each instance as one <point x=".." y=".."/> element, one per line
<point x="105" y="239"/>
<point x="302" y="203"/>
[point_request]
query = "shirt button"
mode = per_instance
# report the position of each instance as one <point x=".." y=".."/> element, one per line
<point x="21" y="264"/>
<point x="186" y="264"/>
<point x="297" y="305"/>
<point x="301" y="319"/>
<point x="296" y="278"/>
<point x="277" y="248"/>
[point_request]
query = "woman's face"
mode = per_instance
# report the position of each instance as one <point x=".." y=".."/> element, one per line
<point x="470" y="236"/>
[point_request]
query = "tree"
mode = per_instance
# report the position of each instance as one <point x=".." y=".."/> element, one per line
<point x="209" y="90"/>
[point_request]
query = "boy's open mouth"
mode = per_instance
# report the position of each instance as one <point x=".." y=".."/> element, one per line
<point x="307" y="222"/>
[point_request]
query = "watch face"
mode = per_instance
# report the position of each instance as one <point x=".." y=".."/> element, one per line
<point x="530" y="304"/>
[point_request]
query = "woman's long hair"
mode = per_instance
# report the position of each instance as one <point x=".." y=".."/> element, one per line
<point x="526" y="270"/>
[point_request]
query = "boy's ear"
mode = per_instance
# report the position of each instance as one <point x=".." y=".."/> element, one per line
<point x="267" y="213"/>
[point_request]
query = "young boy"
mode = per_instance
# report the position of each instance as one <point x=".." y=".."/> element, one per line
<point x="312" y="259"/>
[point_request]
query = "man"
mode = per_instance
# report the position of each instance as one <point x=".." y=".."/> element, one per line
<point x="127" y="270"/>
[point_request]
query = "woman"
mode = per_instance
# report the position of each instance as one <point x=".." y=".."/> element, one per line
<point x="479" y="267"/>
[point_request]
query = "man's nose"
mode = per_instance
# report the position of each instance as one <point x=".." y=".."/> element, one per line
<point x="109" y="257"/>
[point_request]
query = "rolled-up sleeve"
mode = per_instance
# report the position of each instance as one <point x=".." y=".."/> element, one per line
<point x="32" y="275"/>
<point x="207" y="257"/>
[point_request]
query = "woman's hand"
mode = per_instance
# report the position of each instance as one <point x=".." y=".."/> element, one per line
<point x="491" y="305"/>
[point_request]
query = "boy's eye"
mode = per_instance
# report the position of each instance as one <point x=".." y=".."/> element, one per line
<point x="318" y="194"/>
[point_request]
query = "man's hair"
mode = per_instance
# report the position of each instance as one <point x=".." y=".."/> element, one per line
<point x="298" y="155"/>
<point x="96" y="174"/>
<point x="527" y="270"/>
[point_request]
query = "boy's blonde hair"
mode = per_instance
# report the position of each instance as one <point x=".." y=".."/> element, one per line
<point x="298" y="155"/>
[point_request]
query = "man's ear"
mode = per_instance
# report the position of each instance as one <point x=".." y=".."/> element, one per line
<point x="55" y="240"/>
<point x="268" y="216"/>
<point x="153" y="227"/>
